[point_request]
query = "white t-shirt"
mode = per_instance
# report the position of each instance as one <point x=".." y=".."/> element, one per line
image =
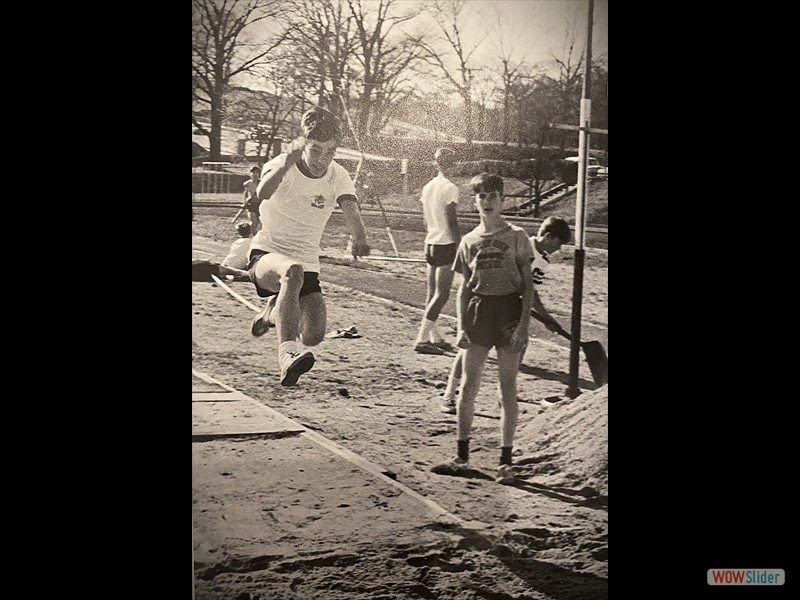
<point x="296" y="214"/>
<point x="237" y="255"/>
<point x="538" y="264"/>
<point x="436" y="195"/>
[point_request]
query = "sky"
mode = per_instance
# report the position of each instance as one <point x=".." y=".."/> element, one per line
<point x="534" y="28"/>
<point x="531" y="30"/>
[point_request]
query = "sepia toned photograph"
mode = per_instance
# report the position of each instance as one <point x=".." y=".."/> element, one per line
<point x="399" y="299"/>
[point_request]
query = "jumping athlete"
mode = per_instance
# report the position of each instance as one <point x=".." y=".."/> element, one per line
<point x="298" y="191"/>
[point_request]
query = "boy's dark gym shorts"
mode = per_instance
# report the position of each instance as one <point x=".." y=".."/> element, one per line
<point x="491" y="320"/>
<point x="310" y="279"/>
<point x="440" y="255"/>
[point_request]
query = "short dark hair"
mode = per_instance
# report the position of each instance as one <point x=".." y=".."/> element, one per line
<point x="244" y="228"/>
<point x="444" y="157"/>
<point x="255" y="169"/>
<point x="488" y="182"/>
<point x="320" y="125"/>
<point x="558" y="227"/>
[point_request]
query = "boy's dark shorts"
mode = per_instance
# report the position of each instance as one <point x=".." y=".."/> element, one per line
<point x="310" y="279"/>
<point x="440" y="255"/>
<point x="491" y="320"/>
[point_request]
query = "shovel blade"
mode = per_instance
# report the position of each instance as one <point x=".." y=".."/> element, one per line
<point x="597" y="360"/>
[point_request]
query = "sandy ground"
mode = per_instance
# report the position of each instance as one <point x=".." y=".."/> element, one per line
<point x="377" y="398"/>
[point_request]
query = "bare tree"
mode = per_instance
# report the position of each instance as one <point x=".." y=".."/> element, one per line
<point x="511" y="68"/>
<point x="449" y="18"/>
<point x="567" y="82"/>
<point x="322" y="43"/>
<point x="383" y="59"/>
<point x="268" y="114"/>
<point x="221" y="51"/>
<point x="484" y="91"/>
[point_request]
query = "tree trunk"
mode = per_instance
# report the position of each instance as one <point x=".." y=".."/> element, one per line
<point x="468" y="115"/>
<point x="366" y="107"/>
<point x="506" y="107"/>
<point x="215" y="135"/>
<point x="217" y="111"/>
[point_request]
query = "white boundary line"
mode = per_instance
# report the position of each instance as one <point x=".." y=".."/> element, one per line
<point x="244" y="301"/>
<point x="346" y="289"/>
<point x="343" y="288"/>
<point x="331" y="255"/>
<point x="392" y="258"/>
<point x="331" y="446"/>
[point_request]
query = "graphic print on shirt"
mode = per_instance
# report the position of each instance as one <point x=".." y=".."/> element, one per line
<point x="318" y="201"/>
<point x="489" y="254"/>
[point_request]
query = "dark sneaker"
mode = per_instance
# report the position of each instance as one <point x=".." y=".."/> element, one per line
<point x="428" y="348"/>
<point x="457" y="466"/>
<point x="294" y="364"/>
<point x="261" y="323"/>
<point x="445" y="346"/>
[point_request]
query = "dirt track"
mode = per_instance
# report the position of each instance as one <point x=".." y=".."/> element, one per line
<point x="377" y="398"/>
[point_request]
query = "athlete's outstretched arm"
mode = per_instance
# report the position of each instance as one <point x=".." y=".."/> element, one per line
<point x="355" y="224"/>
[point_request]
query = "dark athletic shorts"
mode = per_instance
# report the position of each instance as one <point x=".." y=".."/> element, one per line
<point x="491" y="320"/>
<point x="310" y="279"/>
<point x="440" y="255"/>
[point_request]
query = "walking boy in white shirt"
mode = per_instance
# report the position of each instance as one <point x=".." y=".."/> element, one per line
<point x="439" y="199"/>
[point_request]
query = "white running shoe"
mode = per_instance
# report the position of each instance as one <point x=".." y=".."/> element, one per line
<point x="505" y="474"/>
<point x="294" y="364"/>
<point x="448" y="407"/>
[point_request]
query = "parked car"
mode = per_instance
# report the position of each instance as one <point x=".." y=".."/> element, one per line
<point x="593" y="166"/>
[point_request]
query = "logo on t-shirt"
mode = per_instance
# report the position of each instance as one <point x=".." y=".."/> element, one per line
<point x="538" y="276"/>
<point x="318" y="201"/>
<point x="489" y="254"/>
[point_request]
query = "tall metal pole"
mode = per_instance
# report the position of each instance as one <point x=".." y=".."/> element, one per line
<point x="580" y="214"/>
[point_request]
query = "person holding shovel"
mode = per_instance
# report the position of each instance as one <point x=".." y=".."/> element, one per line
<point x="251" y="202"/>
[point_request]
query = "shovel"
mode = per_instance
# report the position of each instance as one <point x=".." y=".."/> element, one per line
<point x="596" y="356"/>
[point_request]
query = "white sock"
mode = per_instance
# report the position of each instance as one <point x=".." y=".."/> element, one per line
<point x="453" y="384"/>
<point x="289" y="346"/>
<point x="434" y="334"/>
<point x="272" y="310"/>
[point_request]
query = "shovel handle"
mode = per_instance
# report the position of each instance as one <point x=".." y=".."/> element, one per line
<point x="560" y="332"/>
<point x="236" y="216"/>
